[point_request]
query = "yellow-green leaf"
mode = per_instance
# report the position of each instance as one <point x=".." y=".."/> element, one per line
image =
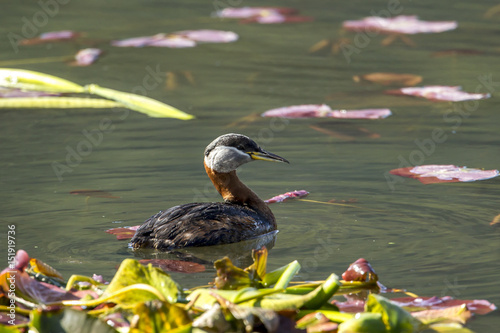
<point x="364" y="322"/>
<point x="130" y="273"/>
<point x="395" y="318"/>
<point x="57" y="102"/>
<point x="149" y="106"/>
<point x="31" y="80"/>
<point x="159" y="317"/>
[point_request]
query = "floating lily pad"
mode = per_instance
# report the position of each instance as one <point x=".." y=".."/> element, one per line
<point x="141" y="299"/>
<point x="264" y="15"/>
<point x="86" y="57"/>
<point x="287" y="196"/>
<point x="248" y="12"/>
<point x="402" y="24"/>
<point x="151" y="40"/>
<point x="479" y="306"/>
<point x="124" y="232"/>
<point x="324" y="111"/>
<point x="131" y="272"/>
<point x="53" y="36"/>
<point x="179" y="39"/>
<point x="439" y="93"/>
<point x="430" y="174"/>
<point x="208" y="36"/>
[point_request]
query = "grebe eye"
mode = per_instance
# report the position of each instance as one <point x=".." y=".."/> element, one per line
<point x="240" y="147"/>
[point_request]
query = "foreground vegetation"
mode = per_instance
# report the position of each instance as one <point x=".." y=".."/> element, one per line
<point x="139" y="298"/>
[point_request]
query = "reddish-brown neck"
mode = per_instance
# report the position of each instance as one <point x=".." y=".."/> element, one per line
<point x="233" y="190"/>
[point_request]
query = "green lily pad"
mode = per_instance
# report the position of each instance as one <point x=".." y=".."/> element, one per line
<point x="131" y="272"/>
<point x="364" y="323"/>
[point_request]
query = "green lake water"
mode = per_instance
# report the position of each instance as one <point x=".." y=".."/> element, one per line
<point x="429" y="239"/>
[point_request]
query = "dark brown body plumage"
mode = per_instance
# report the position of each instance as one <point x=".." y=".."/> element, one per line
<point x="201" y="224"/>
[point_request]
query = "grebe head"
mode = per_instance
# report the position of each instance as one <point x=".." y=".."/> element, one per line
<point x="229" y="151"/>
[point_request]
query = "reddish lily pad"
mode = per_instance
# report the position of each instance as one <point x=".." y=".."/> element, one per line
<point x="264" y="15"/>
<point x="179" y="266"/>
<point x="173" y="42"/>
<point x="21" y="261"/>
<point x="180" y="39"/>
<point x="29" y="288"/>
<point x="277" y="18"/>
<point x="324" y="111"/>
<point x="86" y="57"/>
<point x="158" y="40"/>
<point x="53" y="36"/>
<point x="399" y="24"/>
<point x="439" y="93"/>
<point x="360" y="270"/>
<point x="430" y="174"/>
<point x="248" y="12"/>
<point x="352" y="305"/>
<point x="287" y="196"/>
<point x="476" y="306"/>
<point x="124" y="232"/>
<point x="208" y="36"/>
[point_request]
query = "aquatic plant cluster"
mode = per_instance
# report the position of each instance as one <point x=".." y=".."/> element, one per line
<point x="143" y="298"/>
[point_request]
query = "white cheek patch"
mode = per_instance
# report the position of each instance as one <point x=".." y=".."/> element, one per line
<point x="226" y="159"/>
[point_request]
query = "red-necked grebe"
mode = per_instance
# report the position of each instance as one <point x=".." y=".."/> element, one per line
<point x="242" y="215"/>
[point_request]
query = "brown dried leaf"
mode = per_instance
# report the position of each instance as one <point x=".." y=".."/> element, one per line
<point x="493" y="11"/>
<point x="321" y="45"/>
<point x="38" y="266"/>
<point x="171" y="81"/>
<point x="360" y="270"/>
<point x="389" y="78"/>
